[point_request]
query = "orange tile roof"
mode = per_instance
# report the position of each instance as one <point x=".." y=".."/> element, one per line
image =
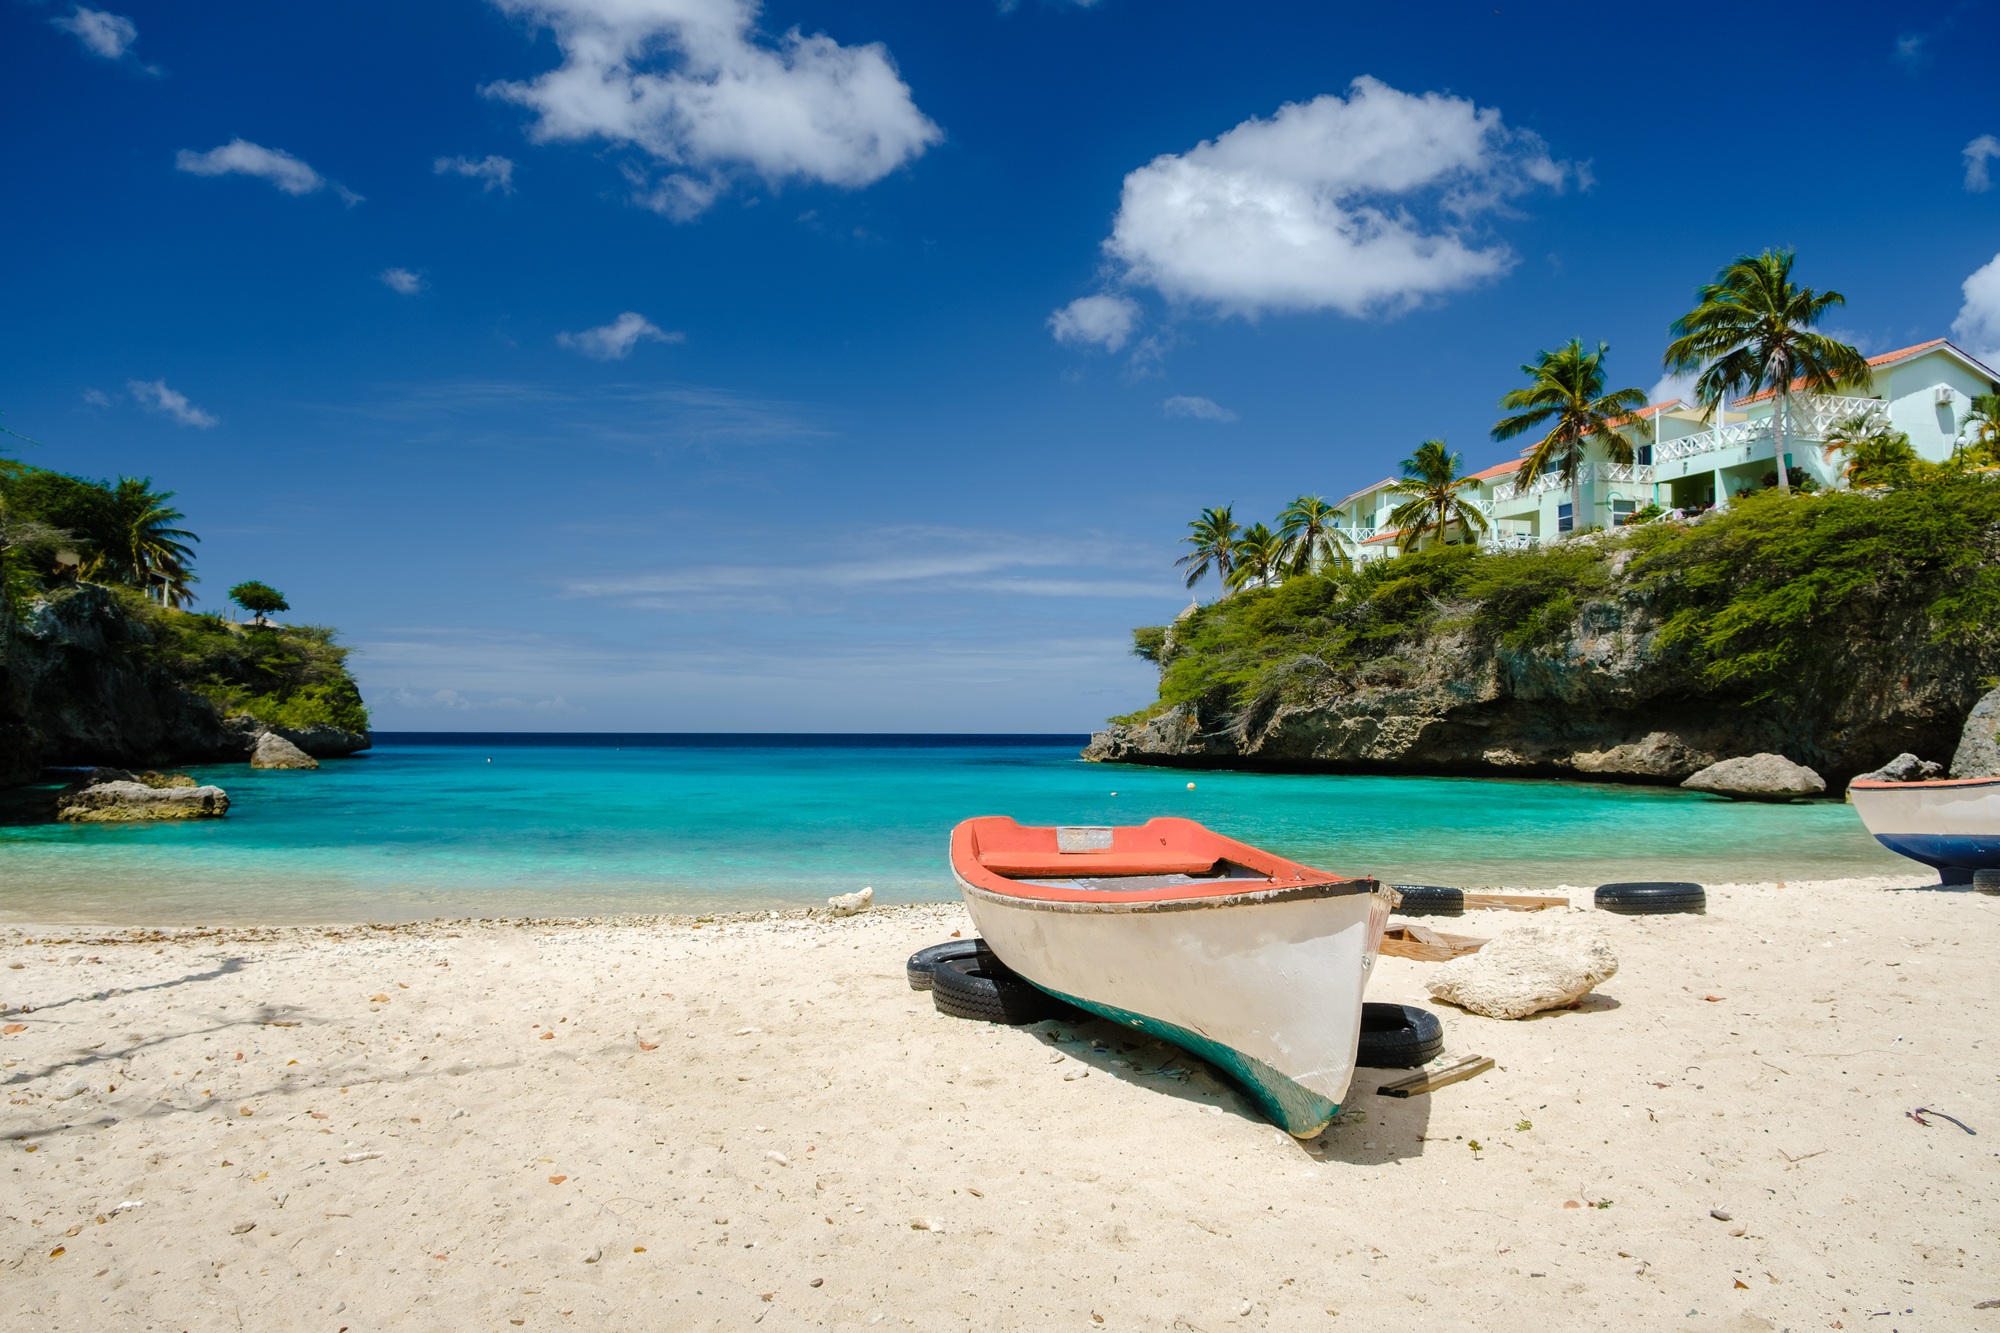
<point x="1497" y="470"/>
<point x="1388" y="536"/>
<point x="1887" y="358"/>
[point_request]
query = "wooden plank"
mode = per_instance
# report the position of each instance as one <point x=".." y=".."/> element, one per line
<point x="1512" y="902"/>
<point x="1408" y="940"/>
<point x="1430" y="1080"/>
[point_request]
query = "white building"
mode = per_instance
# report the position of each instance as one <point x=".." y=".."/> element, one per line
<point x="1688" y="461"/>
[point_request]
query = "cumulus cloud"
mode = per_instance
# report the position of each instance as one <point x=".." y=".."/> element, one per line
<point x="403" y="281"/>
<point x="1105" y="320"/>
<point x="1202" y="409"/>
<point x="693" y="84"/>
<point x="1977" y="154"/>
<point x="492" y="171"/>
<point x="1671" y="386"/>
<point x="1367" y="204"/>
<point x="615" y="341"/>
<point x="101" y="32"/>
<point x="240" y="157"/>
<point x="156" y="396"/>
<point x="1978" y="322"/>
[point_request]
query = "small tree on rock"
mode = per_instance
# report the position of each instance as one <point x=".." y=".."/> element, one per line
<point x="259" y="599"/>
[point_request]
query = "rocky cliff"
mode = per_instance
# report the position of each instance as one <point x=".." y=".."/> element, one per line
<point x="1631" y="658"/>
<point x="84" y="680"/>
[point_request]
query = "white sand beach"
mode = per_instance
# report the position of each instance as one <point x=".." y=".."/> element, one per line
<point x="665" y="1124"/>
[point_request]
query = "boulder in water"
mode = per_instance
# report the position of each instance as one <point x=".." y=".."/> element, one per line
<point x="1758" y="777"/>
<point x="1905" y="767"/>
<point x="274" y="751"/>
<point x="124" y="800"/>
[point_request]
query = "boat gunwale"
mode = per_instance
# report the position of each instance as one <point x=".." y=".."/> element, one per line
<point x="1274" y="893"/>
<point x="1927" y="784"/>
<point x="1305" y="881"/>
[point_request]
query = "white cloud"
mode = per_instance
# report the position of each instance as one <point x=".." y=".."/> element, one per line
<point x="1202" y="409"/>
<point x="690" y="83"/>
<point x="240" y="157"/>
<point x="1104" y="319"/>
<point x="493" y="171"/>
<point x="615" y="341"/>
<point x="1978" y="322"/>
<point x="1364" y="205"/>
<point x="403" y="281"/>
<point x="97" y="398"/>
<point x="1671" y="386"/>
<point x="1977" y="154"/>
<point x="102" y="33"/>
<point x="156" y="396"/>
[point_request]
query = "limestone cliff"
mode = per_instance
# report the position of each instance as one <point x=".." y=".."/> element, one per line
<point x="85" y="679"/>
<point x="1638" y="659"/>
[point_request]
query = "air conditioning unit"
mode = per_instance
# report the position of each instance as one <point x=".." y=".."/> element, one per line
<point x="1943" y="395"/>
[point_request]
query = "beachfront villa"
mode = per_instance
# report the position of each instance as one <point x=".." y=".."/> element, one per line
<point x="1688" y="460"/>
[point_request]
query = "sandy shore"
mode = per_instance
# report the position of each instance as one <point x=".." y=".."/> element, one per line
<point x="653" y="1125"/>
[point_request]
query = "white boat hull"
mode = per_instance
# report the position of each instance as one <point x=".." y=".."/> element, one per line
<point x="1953" y="824"/>
<point x="1268" y="990"/>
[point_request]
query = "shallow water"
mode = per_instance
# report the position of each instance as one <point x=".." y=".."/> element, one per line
<point x="428" y="825"/>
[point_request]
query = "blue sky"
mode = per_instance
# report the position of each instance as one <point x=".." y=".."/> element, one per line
<point x="677" y="365"/>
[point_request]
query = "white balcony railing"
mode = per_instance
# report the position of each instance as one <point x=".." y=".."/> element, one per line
<point x="1585" y="475"/>
<point x="1810" y="417"/>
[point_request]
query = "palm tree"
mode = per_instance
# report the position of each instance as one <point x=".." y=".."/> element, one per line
<point x="152" y="553"/>
<point x="1259" y="552"/>
<point x="1753" y="331"/>
<point x="1981" y="432"/>
<point x="1877" y="453"/>
<point x="1437" y="494"/>
<point x="1566" y="394"/>
<point x="1213" y="537"/>
<point x="1312" y="542"/>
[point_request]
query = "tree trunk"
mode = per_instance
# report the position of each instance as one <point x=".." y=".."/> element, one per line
<point x="1778" y="437"/>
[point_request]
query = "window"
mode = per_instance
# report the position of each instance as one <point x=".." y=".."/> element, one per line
<point x="1565" y="519"/>
<point x="1622" y="510"/>
<point x="1646" y="455"/>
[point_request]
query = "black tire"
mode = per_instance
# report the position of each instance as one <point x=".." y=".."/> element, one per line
<point x="1430" y="900"/>
<point x="1651" y="898"/>
<point x="924" y="961"/>
<point x="985" y="989"/>
<point x="1398" y="1036"/>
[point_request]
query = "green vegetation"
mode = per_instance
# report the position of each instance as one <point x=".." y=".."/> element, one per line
<point x="1566" y="395"/>
<point x="259" y="599"/>
<point x="57" y="531"/>
<point x="1761" y="605"/>
<point x="1213" y="537"/>
<point x="1432" y="480"/>
<point x="1752" y="331"/>
<point x="1312" y="542"/>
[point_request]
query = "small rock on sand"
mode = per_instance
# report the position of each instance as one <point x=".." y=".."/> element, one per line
<point x="847" y="904"/>
<point x="1758" y="777"/>
<point x="1526" y="969"/>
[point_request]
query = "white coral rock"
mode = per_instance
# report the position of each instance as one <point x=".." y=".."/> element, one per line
<point x="847" y="904"/>
<point x="1524" y="970"/>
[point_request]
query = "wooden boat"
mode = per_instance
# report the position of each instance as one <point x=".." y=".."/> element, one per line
<point x="1252" y="962"/>
<point x="1950" y="823"/>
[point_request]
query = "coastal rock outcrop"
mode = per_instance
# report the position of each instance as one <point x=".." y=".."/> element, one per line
<point x="1526" y="969"/>
<point x="1757" y="777"/>
<point x="274" y="751"/>
<point x="1978" y="754"/>
<point x="1905" y="767"/>
<point x="113" y="796"/>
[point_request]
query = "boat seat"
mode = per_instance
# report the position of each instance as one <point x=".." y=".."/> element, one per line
<point x="1019" y="864"/>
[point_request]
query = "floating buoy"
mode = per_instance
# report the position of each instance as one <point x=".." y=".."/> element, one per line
<point x="1114" y="793"/>
<point x="1190" y="786"/>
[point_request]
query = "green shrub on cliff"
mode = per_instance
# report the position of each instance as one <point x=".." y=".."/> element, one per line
<point x="1758" y="601"/>
<point x="287" y="675"/>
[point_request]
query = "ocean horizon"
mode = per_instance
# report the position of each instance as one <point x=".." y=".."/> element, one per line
<point x="489" y="824"/>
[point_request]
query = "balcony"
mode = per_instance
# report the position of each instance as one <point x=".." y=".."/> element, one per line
<point x="1810" y="418"/>
<point x="1639" y="473"/>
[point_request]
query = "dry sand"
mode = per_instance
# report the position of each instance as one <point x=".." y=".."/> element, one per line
<point x="757" y="1122"/>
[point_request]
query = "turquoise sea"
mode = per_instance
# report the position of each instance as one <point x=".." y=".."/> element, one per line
<point x="430" y="825"/>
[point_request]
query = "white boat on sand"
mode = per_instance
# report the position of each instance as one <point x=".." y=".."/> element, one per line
<point x="1253" y="962"/>
<point x="1950" y="823"/>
